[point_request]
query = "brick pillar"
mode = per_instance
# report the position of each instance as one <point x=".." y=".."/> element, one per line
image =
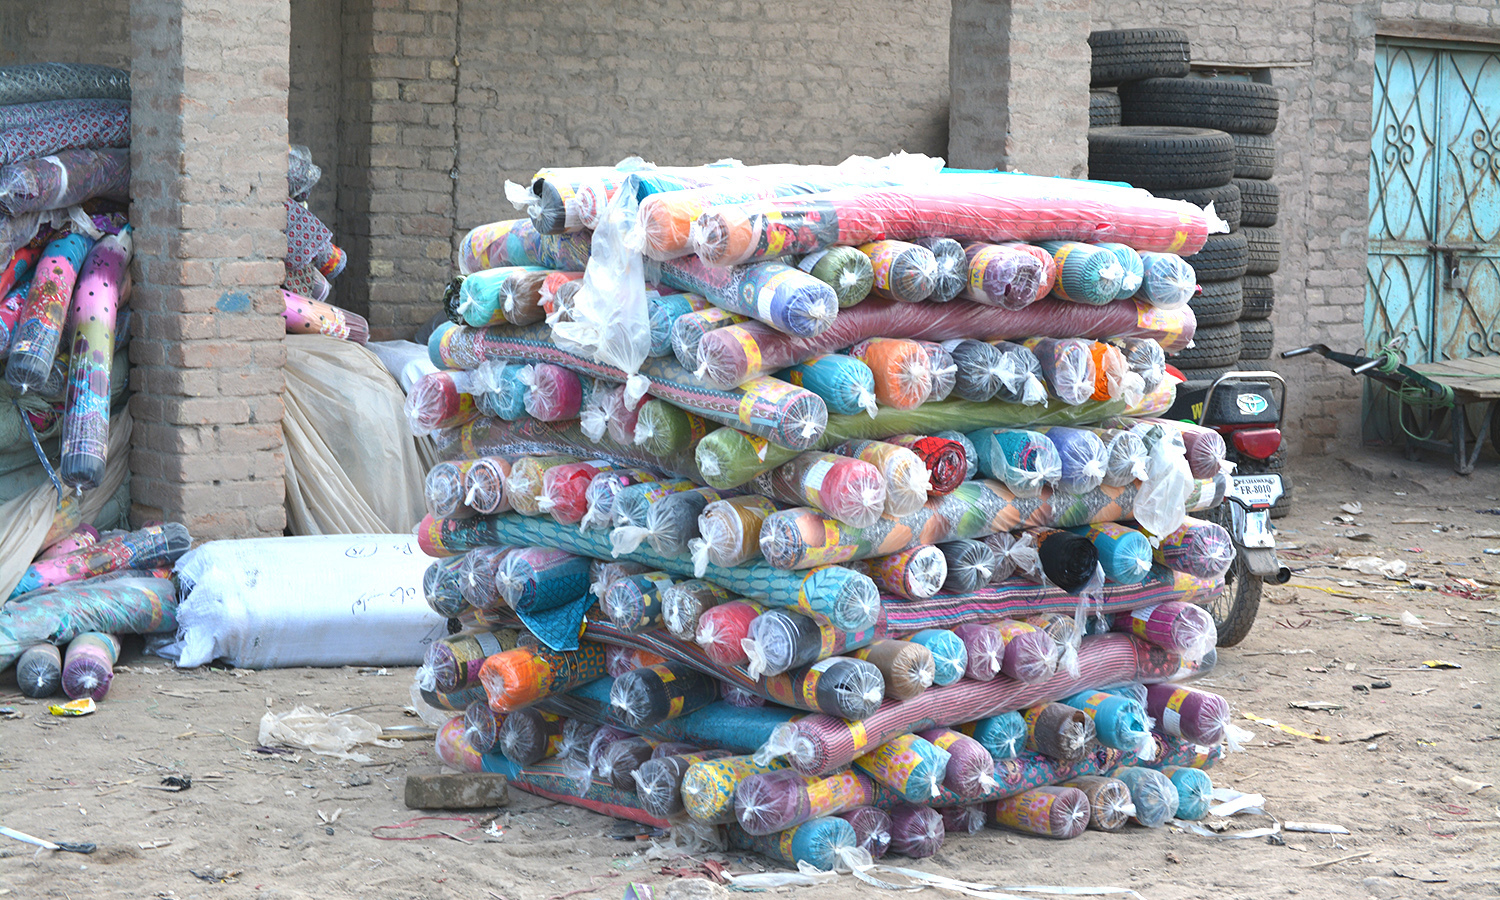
<point x="1018" y="77"/>
<point x="400" y="90"/>
<point x="208" y="162"/>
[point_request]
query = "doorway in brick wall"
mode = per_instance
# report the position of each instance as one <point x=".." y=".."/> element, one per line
<point x="1433" y="265"/>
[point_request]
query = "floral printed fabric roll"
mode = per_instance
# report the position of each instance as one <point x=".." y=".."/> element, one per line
<point x="1198" y="548"/>
<point x="903" y="272"/>
<point x="1055" y="812"/>
<point x="775" y="801"/>
<point x="783" y="297"/>
<point x="518" y="678"/>
<point x="516" y="242"/>
<point x="708" y="787"/>
<point x="850" y="490"/>
<point x="64" y="179"/>
<point x="909" y="765"/>
<point x="78" y="124"/>
<point x="1006" y="275"/>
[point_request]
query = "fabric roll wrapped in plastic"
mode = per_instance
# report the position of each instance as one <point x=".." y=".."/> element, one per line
<point x="950" y="656"/>
<point x="671" y="523"/>
<point x="663" y="430"/>
<point x="1194" y="791"/>
<point x="779" y="641"/>
<point x="1021" y="381"/>
<point x="484" y="485"/>
<point x="78" y="124"/>
<point x="621" y="416"/>
<point x="901" y="371"/>
<point x="1006" y="275"/>
<point x="482" y="726"/>
<point x="946" y="467"/>
<point x="64" y="179"/>
<point x="775" y="801"/>
<point x="907" y="479"/>
<point x="633" y="503"/>
<point x="1119" y="722"/>
<point x="658" y="782"/>
<point x="454" y="661"/>
<point x="846" y="384"/>
<point x="1183" y="628"/>
<point x="664" y="310"/>
<point x="455" y="702"/>
<point x="536" y="579"/>
<point x="145" y="548"/>
<point x="1188" y="713"/>
<point x="1086" y="273"/>
<point x="1167" y="280"/>
<point x="559" y="293"/>
<point x="1198" y="548"/>
<point x="528" y="736"/>
<point x="1055" y="812"/>
<point x="985" y="649"/>
<point x="443" y="490"/>
<point x="903" y="272"/>
<point x="553" y="393"/>
<point x="1062" y="559"/>
<point x="962" y="819"/>
<point x="1146" y="359"/>
<point x="980" y="370"/>
<point x="1113" y="379"/>
<point x="688" y="331"/>
<point x="1127" y="461"/>
<point x="845" y="269"/>
<point x="971" y="453"/>
<point x="907" y="667"/>
<point x="525" y="486"/>
<point x="634" y="604"/>
<point x="915" y="573"/>
<point x="617" y="761"/>
<point x="1058" y="731"/>
<point x="1030" y="654"/>
<point x="84" y="535"/>
<point x="723" y="628"/>
<point x="738" y="696"/>
<point x="837" y="686"/>
<point x="309" y="283"/>
<point x="1067" y="367"/>
<point x="1024" y="461"/>
<point x="909" y="765"/>
<point x="970" y="565"/>
<point x="565" y="490"/>
<point x="442" y="586"/>
<point x="38" y="330"/>
<point x="916" y="831"/>
<point x="775" y="293"/>
<point x="1109" y="800"/>
<point x="519" y="678"/>
<point x="872" y="829"/>
<point x="88" y="665"/>
<point x="848" y="489"/>
<point x="602" y="492"/>
<point x="1152" y="793"/>
<point x="1204" y="447"/>
<point x="944" y="370"/>
<point x="729" y="531"/>
<point x="1084" y="458"/>
<point x="1003" y="736"/>
<point x="441" y="400"/>
<point x="971" y="768"/>
<point x="512" y="294"/>
<point x="645" y="697"/>
<point x="69" y="82"/>
<point x="516" y="242"/>
<point x="39" y="671"/>
<point x="455" y="749"/>
<point x="502" y="392"/>
<point x="951" y="275"/>
<point x="684" y="603"/>
<point x="823" y="843"/>
<point x="1133" y="269"/>
<point x="619" y="660"/>
<point x="709" y="786"/>
<point x="1124" y="553"/>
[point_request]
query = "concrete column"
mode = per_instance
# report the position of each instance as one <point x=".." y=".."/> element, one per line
<point x="1018" y="75"/>
<point x="208" y="160"/>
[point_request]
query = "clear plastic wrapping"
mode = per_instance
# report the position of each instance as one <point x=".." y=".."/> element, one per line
<point x="663" y="311"/>
<point x="962" y="819"/>
<point x="689" y="330"/>
<point x="1194" y="791"/>
<point x="658" y="781"/>
<point x="1067" y="632"/>
<point x="971" y="453"/>
<point x="512" y="294"/>
<point x="738" y="696"/>
<point x="981" y="371"/>
<point x="984" y="648"/>
<point x="601" y="493"/>
<point x="671" y="523"/>
<point x="1003" y="735"/>
<point x="443" y="490"/>
<point x="536" y="579"/>
<point x="775" y="293"/>
<point x="916" y="831"/>
<point x="1055" y="812"/>
<point x="775" y="801"/>
<point x="846" y="384"/>
<point x="1109" y="801"/>
<point x="684" y="603"/>
<point x="952" y="267"/>
<point x="565" y="490"/>
<point x="64" y="179"/>
<point x="1185" y="712"/>
<point x="651" y="695"/>
<point x="1021" y="375"/>
<point x="502" y="390"/>
<point x="88" y="665"/>
<point x="907" y="481"/>
<point x="476" y="576"/>
<point x="1058" y="731"/>
<point x="53" y="81"/>
<point x="1183" y="628"/>
<point x="1132" y="267"/>
<point x="909" y="765"/>
<point x="1167" y="280"/>
<point x="944" y="371"/>
<point x="950" y="657"/>
<point x="838" y="686"/>
<point x="1067" y="366"/>
<point x="971" y="768"/>
<point x="1198" y="548"/>
<point x="453" y="662"/>
<point x="39" y="671"/>
<point x="872" y="829"/>
<point x="528" y="736"/>
<point x="1119" y="722"/>
<point x="482" y="726"/>
<point x="1030" y="654"/>
<point x="515" y="242"/>
<point x="633" y="604"/>
<point x="1006" y="276"/>
<point x="845" y="269"/>
<point x="1024" y="461"/>
<point x="442" y="586"/>
<point x="900" y="370"/>
<point x="616" y="761"/>
<point x="1153" y="795"/>
<point x="1124" y="553"/>
<point x="1128" y="456"/>
<point x="971" y="564"/>
<point x="664" y="430"/>
<point x="1146" y="359"/>
<point x="441" y="400"/>
<point x="553" y="393"/>
<point x="903" y="272"/>
<point x="1084" y="458"/>
<point x="729" y="531"/>
<point x="723" y="628"/>
<point x="1113" y="379"/>
<point x="848" y="489"/>
<point x="915" y="573"/>
<point x="524" y="486"/>
<point x="708" y="787"/>
<point x="484" y="485"/>
<point x="779" y="641"/>
<point x="1086" y="273"/>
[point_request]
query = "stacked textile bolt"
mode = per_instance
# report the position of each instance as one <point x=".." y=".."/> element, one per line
<point x="838" y="474"/>
<point x="312" y="258"/>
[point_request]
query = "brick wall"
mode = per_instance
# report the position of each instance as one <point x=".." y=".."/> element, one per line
<point x="313" y="101"/>
<point x="82" y="31"/>
<point x="208" y="137"/>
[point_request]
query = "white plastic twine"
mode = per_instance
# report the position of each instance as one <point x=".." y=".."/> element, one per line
<point x="644" y="431"/>
<point x="757" y="665"/>
<point x="927" y="572"/>
<point x="779" y="744"/>
<point x="823" y="314"/>
<point x="1094" y="468"/>
<point x="522" y="198"/>
<point x="927" y="673"/>
<point x="866" y="400"/>
<point x="698" y="551"/>
<point x="626" y="538"/>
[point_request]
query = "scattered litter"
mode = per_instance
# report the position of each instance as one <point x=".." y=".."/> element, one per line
<point x="308" y="729"/>
<point x="1363" y="537"/>
<point x="330" y="819"/>
<point x="10" y="712"/>
<point x="1469" y="785"/>
<point x="1232" y="801"/>
<point x="175" y="784"/>
<point x="216" y="876"/>
<point x="1392" y="569"/>
<point x="1272" y="723"/>
<point x="1314" y="827"/>
<point x="69" y="846"/>
<point x="1341" y="859"/>
<point x="80" y="707"/>
<point x="1410" y="620"/>
<point x="1379" y="685"/>
<point x="1440" y="664"/>
<point x="154" y="845"/>
<point x="1315" y="705"/>
<point x="1353" y="509"/>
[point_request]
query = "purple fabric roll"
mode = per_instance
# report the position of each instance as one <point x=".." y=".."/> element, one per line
<point x="916" y="831"/>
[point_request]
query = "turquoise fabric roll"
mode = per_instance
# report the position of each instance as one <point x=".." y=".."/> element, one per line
<point x="1194" y="790"/>
<point x="664" y="311"/>
<point x="1086" y="273"/>
<point x="507" y="400"/>
<point x="1124" y="553"/>
<point x="1154" y="794"/>
<point x="1023" y="460"/>
<point x="1003" y="735"/>
<point x="819" y="843"/>
<point x="1119" y="721"/>
<point x="846" y="385"/>
<point x="949" y="656"/>
<point x="1135" y="270"/>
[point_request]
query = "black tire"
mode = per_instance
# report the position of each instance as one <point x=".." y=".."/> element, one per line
<point x="1222" y="103"/>
<point x="1260" y="202"/>
<point x="1260" y="297"/>
<point x="1225" y="198"/>
<point x="1161" y="157"/>
<point x="1131" y="54"/>
<point x="1104" y="109"/>
<point x="1256" y="338"/>
<point x="1263" y="250"/>
<point x="1254" y="155"/>
<point x="1214" y="346"/>
<point x="1223" y="258"/>
<point x="1218" y="303"/>
<point x="1235" y="607"/>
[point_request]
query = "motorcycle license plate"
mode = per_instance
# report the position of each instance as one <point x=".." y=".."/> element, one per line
<point x="1256" y="491"/>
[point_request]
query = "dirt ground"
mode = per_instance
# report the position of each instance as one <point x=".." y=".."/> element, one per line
<point x="1405" y="768"/>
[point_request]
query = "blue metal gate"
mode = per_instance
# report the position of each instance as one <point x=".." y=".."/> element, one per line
<point x="1433" y="267"/>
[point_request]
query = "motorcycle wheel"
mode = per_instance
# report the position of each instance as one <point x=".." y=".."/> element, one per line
<point x="1235" y="607"/>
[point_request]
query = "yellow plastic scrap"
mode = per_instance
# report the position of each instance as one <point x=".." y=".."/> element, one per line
<point x="1286" y="728"/>
<point x="1440" y="664"/>
<point x="80" y="707"/>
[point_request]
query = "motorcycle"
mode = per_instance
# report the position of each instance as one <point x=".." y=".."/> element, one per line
<point x="1247" y="409"/>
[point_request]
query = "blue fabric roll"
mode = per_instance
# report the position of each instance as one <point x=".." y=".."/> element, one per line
<point x="949" y="655"/>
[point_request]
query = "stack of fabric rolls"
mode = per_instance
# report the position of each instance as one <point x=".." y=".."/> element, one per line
<point x="858" y="530"/>
<point x="312" y="259"/>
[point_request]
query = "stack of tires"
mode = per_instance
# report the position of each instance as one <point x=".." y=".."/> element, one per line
<point x="1203" y="140"/>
